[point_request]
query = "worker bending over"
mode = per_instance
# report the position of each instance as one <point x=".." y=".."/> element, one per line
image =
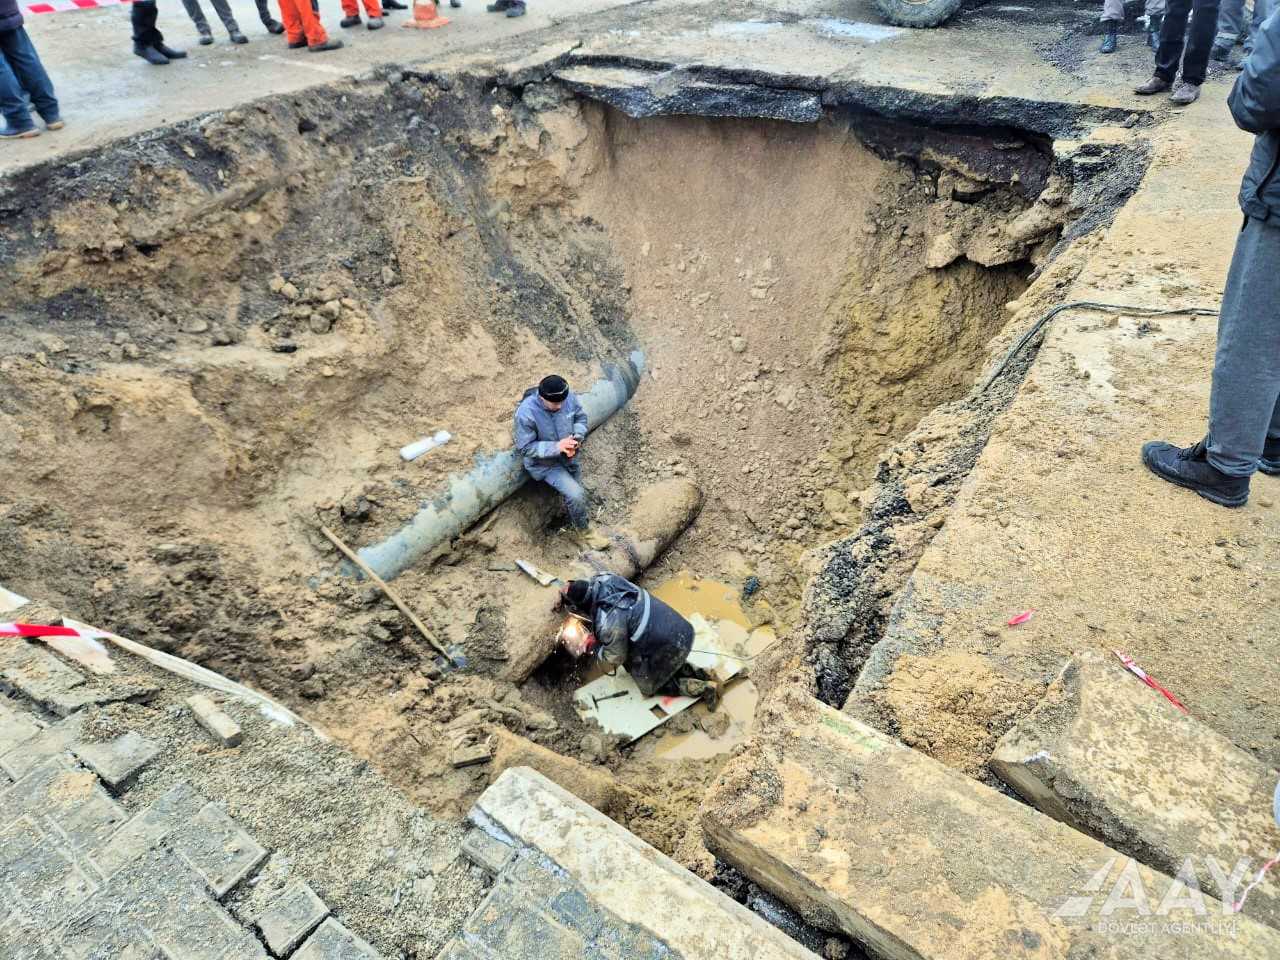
<point x="550" y="426"/>
<point x="632" y="629"/>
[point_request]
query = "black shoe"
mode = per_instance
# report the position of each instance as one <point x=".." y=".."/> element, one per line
<point x="516" y="9"/>
<point x="456" y="4"/>
<point x="327" y="45"/>
<point x="1270" y="462"/>
<point x="394" y="5"/>
<point x="375" y="23"/>
<point x="500" y="6"/>
<point x="206" y="39"/>
<point x="171" y="53"/>
<point x="297" y="46"/>
<point x="346" y="22"/>
<point x="1109" y="41"/>
<point x="150" y="54"/>
<point x="1219" y="52"/>
<point x="1189" y="467"/>
<point x="238" y="37"/>
<point x="274" y="26"/>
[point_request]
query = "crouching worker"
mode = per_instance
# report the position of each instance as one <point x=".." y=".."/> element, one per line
<point x="632" y="629"/>
<point x="550" y="426"/>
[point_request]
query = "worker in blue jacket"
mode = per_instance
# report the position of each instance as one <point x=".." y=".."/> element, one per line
<point x="550" y="426"/>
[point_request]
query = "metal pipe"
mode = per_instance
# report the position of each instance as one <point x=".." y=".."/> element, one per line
<point x="495" y="476"/>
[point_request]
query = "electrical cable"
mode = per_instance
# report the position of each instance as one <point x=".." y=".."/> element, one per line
<point x="1039" y="325"/>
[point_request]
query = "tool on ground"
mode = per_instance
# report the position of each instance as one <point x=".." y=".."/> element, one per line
<point x="613" y="696"/>
<point x="544" y="578"/>
<point x="413" y="451"/>
<point x="1141" y="674"/>
<point x="391" y="594"/>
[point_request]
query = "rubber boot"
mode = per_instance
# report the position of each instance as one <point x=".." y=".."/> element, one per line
<point x="1109" y="41"/>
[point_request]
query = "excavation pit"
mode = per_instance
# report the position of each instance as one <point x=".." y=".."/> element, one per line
<point x="219" y="336"/>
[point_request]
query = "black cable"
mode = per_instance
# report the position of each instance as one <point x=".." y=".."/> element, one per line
<point x="1086" y="305"/>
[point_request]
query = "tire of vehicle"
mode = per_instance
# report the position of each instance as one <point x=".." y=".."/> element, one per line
<point x="918" y="13"/>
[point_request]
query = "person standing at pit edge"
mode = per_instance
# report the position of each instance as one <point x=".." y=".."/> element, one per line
<point x="1113" y="16"/>
<point x="302" y="27"/>
<point x="148" y="41"/>
<point x="1244" y="402"/>
<point x="1190" y="45"/>
<point x="22" y="75"/>
<point x="550" y="426"/>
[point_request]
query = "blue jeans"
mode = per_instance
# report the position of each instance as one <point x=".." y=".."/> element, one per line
<point x="564" y="480"/>
<point x="1232" y="26"/>
<point x="22" y="75"/>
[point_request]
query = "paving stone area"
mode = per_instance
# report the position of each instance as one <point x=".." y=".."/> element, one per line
<point x="81" y="879"/>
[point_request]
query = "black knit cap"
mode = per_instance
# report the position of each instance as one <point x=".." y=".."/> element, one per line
<point x="553" y="388"/>
<point x="576" y="593"/>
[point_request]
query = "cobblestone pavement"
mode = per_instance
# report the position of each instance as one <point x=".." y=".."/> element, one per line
<point x="83" y="879"/>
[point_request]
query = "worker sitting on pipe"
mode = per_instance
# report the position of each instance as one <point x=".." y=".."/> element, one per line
<point x="550" y="426"/>
<point x="632" y="629"/>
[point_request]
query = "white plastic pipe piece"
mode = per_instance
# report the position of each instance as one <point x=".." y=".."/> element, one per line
<point x="413" y="451"/>
<point x="468" y="497"/>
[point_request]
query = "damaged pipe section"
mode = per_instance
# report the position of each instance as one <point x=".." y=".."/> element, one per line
<point x="659" y="516"/>
<point x="495" y="476"/>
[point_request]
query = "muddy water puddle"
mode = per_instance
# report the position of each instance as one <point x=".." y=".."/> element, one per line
<point x="719" y="604"/>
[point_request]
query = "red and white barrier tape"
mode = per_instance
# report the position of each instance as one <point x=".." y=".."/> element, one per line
<point x="1141" y="674"/>
<point x="61" y="6"/>
<point x="42" y="630"/>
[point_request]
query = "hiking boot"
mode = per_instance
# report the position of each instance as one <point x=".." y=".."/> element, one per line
<point x="589" y="538"/>
<point x="1220" y="51"/>
<point x="150" y="54"/>
<point x="375" y="23"/>
<point x="237" y="36"/>
<point x="170" y="53"/>
<point x="13" y="133"/>
<point x="347" y="22"/>
<point x="1270" y="462"/>
<point x="327" y="45"/>
<point x="1189" y="467"/>
<point x="206" y="38"/>
<point x="1185" y="93"/>
<point x="1154" y="85"/>
<point x="274" y="26"/>
<point x="516" y="9"/>
<point x="1109" y="41"/>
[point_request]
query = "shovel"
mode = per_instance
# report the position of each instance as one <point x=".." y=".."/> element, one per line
<point x="544" y="578"/>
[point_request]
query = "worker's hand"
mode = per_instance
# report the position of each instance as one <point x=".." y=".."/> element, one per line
<point x="568" y="446"/>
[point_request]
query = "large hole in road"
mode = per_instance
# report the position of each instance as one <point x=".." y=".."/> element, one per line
<point x="219" y="335"/>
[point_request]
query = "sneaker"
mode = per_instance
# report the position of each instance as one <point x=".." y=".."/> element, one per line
<point x="1109" y="41"/>
<point x="327" y="45"/>
<point x="1189" y="467"/>
<point x="347" y="22"/>
<point x="1154" y="85"/>
<point x="375" y="23"/>
<point x="150" y="54"/>
<point x="57" y="123"/>
<point x="12" y="133"/>
<point x="1185" y="93"/>
<point x="1270" y="462"/>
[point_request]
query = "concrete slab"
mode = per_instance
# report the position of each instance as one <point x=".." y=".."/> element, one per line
<point x="915" y="860"/>
<point x="1109" y="756"/>
<point x="225" y="730"/>
<point x="644" y="891"/>
<point x="119" y="760"/>
<point x="59" y="795"/>
<point x="16" y="727"/>
<point x="293" y="915"/>
<point x="333" y="941"/>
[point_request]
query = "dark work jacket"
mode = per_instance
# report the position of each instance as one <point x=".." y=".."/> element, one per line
<point x="1255" y="106"/>
<point x="637" y="631"/>
<point x="10" y="16"/>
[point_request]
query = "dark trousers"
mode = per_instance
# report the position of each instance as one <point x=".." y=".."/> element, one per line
<point x="1244" y="404"/>
<point x="221" y="7"/>
<point x="143" y="17"/>
<point x="21" y="76"/>
<point x="1194" y="54"/>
